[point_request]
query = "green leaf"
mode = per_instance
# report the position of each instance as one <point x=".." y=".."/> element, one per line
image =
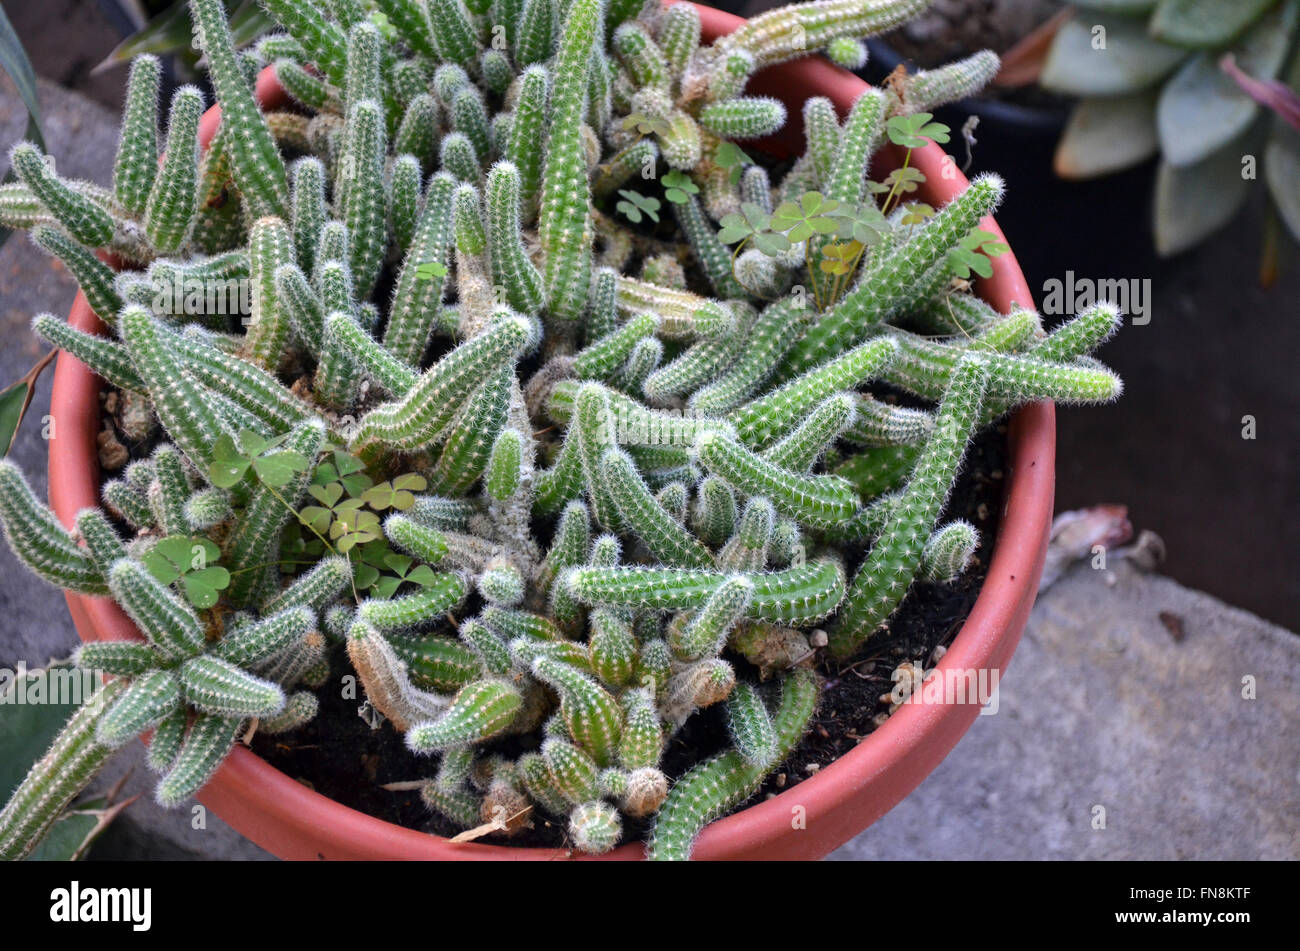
<point x="642" y="124"/>
<point x="278" y="468"/>
<point x="862" y="223"/>
<point x="346" y="463"/>
<point x="729" y="155"/>
<point x="399" y="563"/>
<point x="916" y="212"/>
<point x="251" y="443"/>
<point x="189" y="559"/>
<point x="376" y="554"/>
<point x="422" y="575"/>
<point x="772" y="243"/>
<point x="13" y="404"/>
<point x="168" y="32"/>
<point x="28" y="729"/>
<point x="353" y="527"/>
<point x="1204" y="24"/>
<point x="968" y="261"/>
<point x="228" y="464"/>
<point x="317" y="518"/>
<point x="202" y="588"/>
<point x="749" y="221"/>
<point x="911" y="131"/>
<point x="365" y="576"/>
<point x="1201" y="108"/>
<point x="73" y="834"/>
<point x="385" y="587"/>
<point x="1194" y="201"/>
<point x="14" y="61"/>
<point x="429" y="270"/>
<point x="326" y="495"/>
<point x="70" y="836"/>
<point x="635" y="203"/>
<point x="811" y="214"/>
<point x="1107" y="134"/>
<point x="411" y="482"/>
<point x="1078" y="64"/>
<point x="905" y="180"/>
<point x="396" y="494"/>
<point x="678" y="186"/>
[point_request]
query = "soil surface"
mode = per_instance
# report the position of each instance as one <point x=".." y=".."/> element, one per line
<point x="340" y="756"/>
<point x="951" y="29"/>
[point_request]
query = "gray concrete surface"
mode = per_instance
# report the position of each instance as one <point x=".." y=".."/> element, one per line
<point x="1101" y="707"/>
<point x="83" y="136"/>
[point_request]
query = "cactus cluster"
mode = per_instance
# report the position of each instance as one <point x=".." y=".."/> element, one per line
<point x="1188" y="81"/>
<point x="537" y="468"/>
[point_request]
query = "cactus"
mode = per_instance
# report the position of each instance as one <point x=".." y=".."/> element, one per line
<point x="555" y="512"/>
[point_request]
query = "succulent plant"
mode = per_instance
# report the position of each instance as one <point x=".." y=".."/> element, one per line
<point x="1183" y="79"/>
<point x="538" y="468"/>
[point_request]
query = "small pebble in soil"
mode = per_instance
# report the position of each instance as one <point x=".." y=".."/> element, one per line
<point x="112" y="454"/>
<point x="1174" y="625"/>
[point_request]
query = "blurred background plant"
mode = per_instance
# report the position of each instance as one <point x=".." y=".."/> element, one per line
<point x="1210" y="86"/>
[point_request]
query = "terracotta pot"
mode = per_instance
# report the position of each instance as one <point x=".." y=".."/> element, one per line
<point x="293" y="822"/>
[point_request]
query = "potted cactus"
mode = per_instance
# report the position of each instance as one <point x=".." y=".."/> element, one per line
<point x="554" y="416"/>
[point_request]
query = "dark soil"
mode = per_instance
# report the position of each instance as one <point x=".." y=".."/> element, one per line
<point x="951" y="29"/>
<point x="340" y="756"/>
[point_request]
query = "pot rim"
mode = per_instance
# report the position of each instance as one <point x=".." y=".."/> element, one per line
<point x="295" y="822"/>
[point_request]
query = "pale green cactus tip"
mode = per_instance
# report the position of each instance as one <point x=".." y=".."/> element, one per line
<point x="537" y="455"/>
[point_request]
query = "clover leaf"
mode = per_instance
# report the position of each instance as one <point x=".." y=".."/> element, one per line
<point x="643" y="124"/>
<point x="973" y="253"/>
<point x="862" y="223"/>
<point x="319" y="517"/>
<point x="397" y="494"/>
<point x="352" y="526"/>
<point x="810" y="215"/>
<point x="188" y="559"/>
<point x="904" y="180"/>
<point x="428" y="270"/>
<point x="731" y="156"/>
<point x="273" y="466"/>
<point x="635" y="203"/>
<point x="911" y="131"/>
<point x="345" y="469"/>
<point x="228" y="464"/>
<point x="678" y="187"/>
<point x="751" y="220"/>
<point x="401" y="566"/>
<point x="916" y="212"/>
<point x="295" y="546"/>
<point x="368" y="563"/>
<point x="838" y="258"/>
